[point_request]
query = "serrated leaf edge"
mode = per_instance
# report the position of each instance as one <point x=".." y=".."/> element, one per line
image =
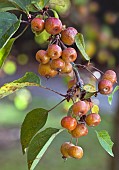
<point x="110" y="153"/>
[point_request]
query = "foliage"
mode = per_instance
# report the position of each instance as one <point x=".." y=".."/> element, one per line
<point x="110" y="97"/>
<point x="34" y="139"/>
<point x="29" y="79"/>
<point x="38" y="147"/>
<point x="36" y="119"/>
<point x="81" y="45"/>
<point x="105" y="141"/>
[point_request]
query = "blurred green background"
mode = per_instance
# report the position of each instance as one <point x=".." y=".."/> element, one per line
<point x="11" y="157"/>
<point x="99" y="23"/>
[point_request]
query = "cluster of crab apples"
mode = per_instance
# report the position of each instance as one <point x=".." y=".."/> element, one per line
<point x="81" y="116"/>
<point x="57" y="58"/>
<point x="76" y="124"/>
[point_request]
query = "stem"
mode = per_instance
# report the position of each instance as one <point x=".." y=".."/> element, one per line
<point x="63" y="95"/>
<point x="76" y="141"/>
<point x="57" y="42"/>
<point x="26" y="22"/>
<point x="72" y="100"/>
<point x="91" y="73"/>
<point x="71" y="139"/>
<point x="22" y="32"/>
<point x="53" y="42"/>
<point x="97" y="69"/>
<point x="86" y="68"/>
<point x="29" y="16"/>
<point x="62" y="44"/>
<point x="47" y="14"/>
<point x="56" y="105"/>
<point x="79" y="83"/>
<point x="80" y="65"/>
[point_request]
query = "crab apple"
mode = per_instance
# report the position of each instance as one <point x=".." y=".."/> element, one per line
<point x="69" y="54"/>
<point x="89" y="105"/>
<point x="80" y="130"/>
<point x="42" y="57"/>
<point x="64" y="149"/>
<point x="57" y="64"/>
<point x="75" y="152"/>
<point x="93" y="119"/>
<point x="54" y="51"/>
<point x="37" y="25"/>
<point x="69" y="123"/>
<point x="79" y="108"/>
<point x="67" y="69"/>
<point x="105" y="86"/>
<point x="46" y="70"/>
<point x="110" y="75"/>
<point x="73" y="82"/>
<point x="68" y="35"/>
<point x="53" y="25"/>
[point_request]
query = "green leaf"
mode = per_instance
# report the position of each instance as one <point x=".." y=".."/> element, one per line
<point x="105" y="141"/>
<point x="39" y="145"/>
<point x="23" y="4"/>
<point x="5" y="5"/>
<point x="79" y="40"/>
<point x="110" y="97"/>
<point x="32" y="123"/>
<point x="89" y="95"/>
<point x="4" y="52"/>
<point x="32" y="8"/>
<point x="40" y="4"/>
<point x="55" y="13"/>
<point x="29" y="79"/>
<point x="9" y="24"/>
<point x="69" y="113"/>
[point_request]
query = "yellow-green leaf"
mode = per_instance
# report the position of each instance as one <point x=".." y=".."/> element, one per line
<point x="110" y="97"/>
<point x="95" y="109"/>
<point x="90" y="88"/>
<point x="105" y="141"/>
<point x="39" y="144"/>
<point x="4" y="52"/>
<point x="40" y="4"/>
<point x="29" y="79"/>
<point x="88" y="95"/>
<point x="79" y="40"/>
<point x="55" y="13"/>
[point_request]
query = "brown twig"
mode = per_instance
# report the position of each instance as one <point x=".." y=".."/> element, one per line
<point x="47" y="88"/>
<point x="86" y="68"/>
<point x="97" y="69"/>
<point x="78" y="78"/>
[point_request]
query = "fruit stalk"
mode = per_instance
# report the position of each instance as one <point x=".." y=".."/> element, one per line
<point x="79" y="82"/>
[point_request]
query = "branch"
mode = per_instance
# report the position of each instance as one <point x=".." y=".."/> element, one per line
<point x="63" y="95"/>
<point x="86" y="68"/>
<point x="22" y="32"/>
<point x="79" y="82"/>
<point x="56" y="105"/>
